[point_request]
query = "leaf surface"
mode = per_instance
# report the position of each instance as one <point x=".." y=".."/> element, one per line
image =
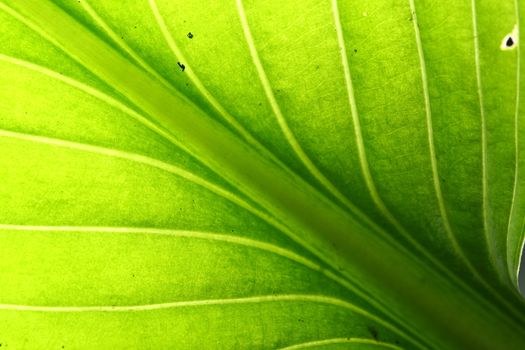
<point x="168" y="169"/>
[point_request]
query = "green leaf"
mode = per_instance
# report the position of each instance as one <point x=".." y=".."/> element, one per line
<point x="247" y="174"/>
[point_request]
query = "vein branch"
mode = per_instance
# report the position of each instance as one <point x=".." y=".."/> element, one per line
<point x="289" y="135"/>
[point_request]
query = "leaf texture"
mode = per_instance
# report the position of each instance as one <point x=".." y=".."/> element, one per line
<point x="115" y="232"/>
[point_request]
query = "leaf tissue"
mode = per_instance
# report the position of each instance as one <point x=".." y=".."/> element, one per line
<point x="242" y="174"/>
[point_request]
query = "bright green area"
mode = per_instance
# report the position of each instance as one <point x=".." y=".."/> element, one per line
<point x="260" y="174"/>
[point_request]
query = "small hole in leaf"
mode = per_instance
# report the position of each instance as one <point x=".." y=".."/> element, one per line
<point x="510" y="41"/>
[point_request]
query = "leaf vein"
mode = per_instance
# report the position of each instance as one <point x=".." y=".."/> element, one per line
<point x="516" y="130"/>
<point x="316" y="343"/>
<point x="484" y="159"/>
<point x="430" y="135"/>
<point x="308" y="298"/>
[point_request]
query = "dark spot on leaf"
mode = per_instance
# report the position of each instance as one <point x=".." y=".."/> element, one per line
<point x="183" y="67"/>
<point x="190" y="35"/>
<point x="355" y="50"/>
<point x="373" y="332"/>
<point x="509" y="42"/>
<point x="300" y="320"/>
